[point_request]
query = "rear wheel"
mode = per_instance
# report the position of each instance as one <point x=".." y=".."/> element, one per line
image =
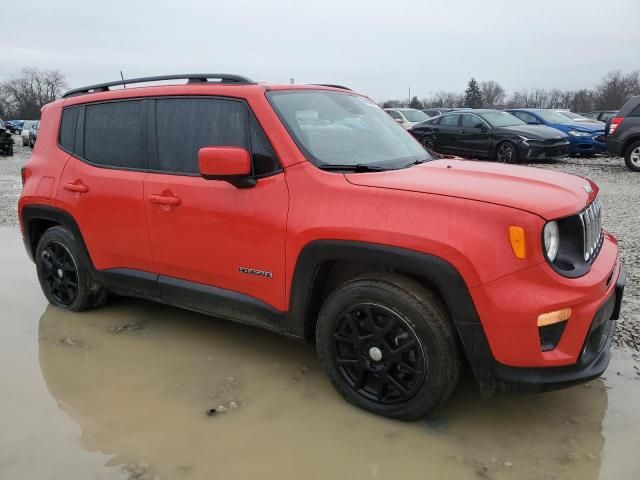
<point x="387" y="346"/>
<point x="428" y="142"/>
<point x="63" y="275"/>
<point x="632" y="157"/>
<point x="506" y="153"/>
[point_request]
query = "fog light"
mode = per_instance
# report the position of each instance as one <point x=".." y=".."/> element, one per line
<point x="554" y="317"/>
<point x="550" y="335"/>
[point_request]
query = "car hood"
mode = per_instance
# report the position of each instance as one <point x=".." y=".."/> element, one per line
<point x="580" y="127"/>
<point x="533" y="131"/>
<point x="542" y="192"/>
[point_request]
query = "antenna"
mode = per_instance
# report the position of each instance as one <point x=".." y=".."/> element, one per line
<point x="122" y="77"/>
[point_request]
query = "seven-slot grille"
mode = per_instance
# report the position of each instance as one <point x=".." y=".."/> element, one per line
<point x="591" y="230"/>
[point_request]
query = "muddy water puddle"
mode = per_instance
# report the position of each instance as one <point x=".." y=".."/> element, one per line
<point x="137" y="390"/>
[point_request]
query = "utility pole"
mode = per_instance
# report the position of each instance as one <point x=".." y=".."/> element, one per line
<point x="409" y="103"/>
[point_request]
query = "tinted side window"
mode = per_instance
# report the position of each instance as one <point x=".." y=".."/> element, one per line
<point x="395" y="115"/>
<point x="635" y="112"/>
<point x="115" y="134"/>
<point x="450" y="120"/>
<point x="184" y="125"/>
<point x="264" y="159"/>
<point x="67" y="128"/>
<point x="470" y="121"/>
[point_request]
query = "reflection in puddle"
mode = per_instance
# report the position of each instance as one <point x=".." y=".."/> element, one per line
<point x="141" y="381"/>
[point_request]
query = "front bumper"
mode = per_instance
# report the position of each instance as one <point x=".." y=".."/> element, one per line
<point x="587" y="145"/>
<point x="541" y="152"/>
<point x="504" y="348"/>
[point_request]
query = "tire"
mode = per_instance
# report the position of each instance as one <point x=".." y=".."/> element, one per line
<point x="10" y="151"/>
<point x="428" y="142"/>
<point x="25" y="142"/>
<point x="427" y="366"/>
<point x="506" y="152"/>
<point x="63" y="273"/>
<point x="632" y="157"/>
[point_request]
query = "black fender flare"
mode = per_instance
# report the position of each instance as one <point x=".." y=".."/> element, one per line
<point x="44" y="212"/>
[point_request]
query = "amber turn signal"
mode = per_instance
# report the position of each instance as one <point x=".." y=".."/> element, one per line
<point x="554" y="317"/>
<point x="518" y="241"/>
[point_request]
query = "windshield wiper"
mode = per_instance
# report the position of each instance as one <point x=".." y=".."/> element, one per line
<point x="418" y="162"/>
<point x="358" y="167"/>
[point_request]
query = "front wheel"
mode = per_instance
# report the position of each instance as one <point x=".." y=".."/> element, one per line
<point x="506" y="153"/>
<point x="632" y="157"/>
<point x="387" y="346"/>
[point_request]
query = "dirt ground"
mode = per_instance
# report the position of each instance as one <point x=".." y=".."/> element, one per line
<point x="127" y="392"/>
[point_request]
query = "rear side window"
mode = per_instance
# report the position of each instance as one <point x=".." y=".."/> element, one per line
<point x="115" y="134"/>
<point x="450" y="120"/>
<point x="635" y="112"/>
<point x="68" y="126"/>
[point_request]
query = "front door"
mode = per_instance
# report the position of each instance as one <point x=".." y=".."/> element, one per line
<point x="446" y="133"/>
<point x="208" y="232"/>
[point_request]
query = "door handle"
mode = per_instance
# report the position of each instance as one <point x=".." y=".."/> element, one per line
<point x="165" y="200"/>
<point x="76" y="187"/>
<point x="460" y="131"/>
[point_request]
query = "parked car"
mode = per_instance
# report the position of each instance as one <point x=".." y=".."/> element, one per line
<point x="26" y="127"/>
<point x="602" y="115"/>
<point x="6" y="140"/>
<point x="407" y="117"/>
<point x="576" y="117"/>
<point x="623" y="134"/>
<point x="33" y="134"/>
<point x="14" y="126"/>
<point x="584" y="138"/>
<point x="394" y="264"/>
<point x="490" y="134"/>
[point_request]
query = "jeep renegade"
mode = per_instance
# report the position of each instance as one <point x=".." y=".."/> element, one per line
<point x="308" y="211"/>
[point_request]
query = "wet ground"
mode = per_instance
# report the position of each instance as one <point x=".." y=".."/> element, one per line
<point x="126" y="392"/>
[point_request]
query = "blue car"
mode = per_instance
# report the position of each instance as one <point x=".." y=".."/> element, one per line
<point x="585" y="138"/>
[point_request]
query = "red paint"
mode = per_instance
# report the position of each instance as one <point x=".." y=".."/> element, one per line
<point x="204" y="230"/>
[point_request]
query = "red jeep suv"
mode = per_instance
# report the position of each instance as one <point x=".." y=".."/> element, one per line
<point x="308" y="211"/>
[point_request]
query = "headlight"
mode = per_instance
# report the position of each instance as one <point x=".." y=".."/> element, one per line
<point x="551" y="236"/>
<point x="576" y="133"/>
<point x="524" y="139"/>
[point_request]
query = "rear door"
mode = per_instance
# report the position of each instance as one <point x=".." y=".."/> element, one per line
<point x="217" y="235"/>
<point x="102" y="182"/>
<point x="446" y="132"/>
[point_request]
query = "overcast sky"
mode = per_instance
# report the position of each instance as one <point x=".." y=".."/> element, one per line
<point x="376" y="47"/>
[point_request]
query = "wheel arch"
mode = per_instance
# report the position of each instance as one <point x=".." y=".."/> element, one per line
<point x="324" y="264"/>
<point x="630" y="140"/>
<point x="36" y="219"/>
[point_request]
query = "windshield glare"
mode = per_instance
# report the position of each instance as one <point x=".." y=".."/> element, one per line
<point x="573" y="116"/>
<point x="334" y="128"/>
<point x="501" y="119"/>
<point x="414" y="115"/>
<point x="552" y="117"/>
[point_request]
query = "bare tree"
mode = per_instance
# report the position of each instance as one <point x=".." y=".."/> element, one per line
<point x="24" y="95"/>
<point x="615" y="89"/>
<point x="492" y="93"/>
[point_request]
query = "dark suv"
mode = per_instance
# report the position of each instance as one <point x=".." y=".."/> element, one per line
<point x="623" y="134"/>
<point x="6" y="141"/>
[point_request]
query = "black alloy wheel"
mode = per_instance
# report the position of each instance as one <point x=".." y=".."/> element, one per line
<point x="428" y="142"/>
<point x="506" y="153"/>
<point x="379" y="354"/>
<point x="59" y="273"/>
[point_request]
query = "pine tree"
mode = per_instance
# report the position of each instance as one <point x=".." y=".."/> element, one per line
<point x="473" y="95"/>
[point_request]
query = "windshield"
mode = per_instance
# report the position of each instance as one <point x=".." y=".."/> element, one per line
<point x="414" y="115"/>
<point x="334" y="128"/>
<point x="501" y="119"/>
<point x="552" y="117"/>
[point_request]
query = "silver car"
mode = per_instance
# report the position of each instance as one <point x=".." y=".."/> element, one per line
<point x="28" y="125"/>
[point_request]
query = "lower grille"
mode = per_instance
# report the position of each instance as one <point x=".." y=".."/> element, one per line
<point x="591" y="230"/>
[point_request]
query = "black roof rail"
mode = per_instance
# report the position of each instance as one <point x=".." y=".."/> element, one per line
<point x="190" y="77"/>
<point x="342" y="87"/>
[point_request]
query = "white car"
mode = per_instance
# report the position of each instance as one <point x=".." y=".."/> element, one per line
<point x="407" y="117"/>
<point x="25" y="131"/>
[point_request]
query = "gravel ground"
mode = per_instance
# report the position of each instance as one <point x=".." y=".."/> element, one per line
<point x="619" y="192"/>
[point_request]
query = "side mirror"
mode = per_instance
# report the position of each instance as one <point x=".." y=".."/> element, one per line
<point x="230" y="164"/>
<point x="481" y="126"/>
